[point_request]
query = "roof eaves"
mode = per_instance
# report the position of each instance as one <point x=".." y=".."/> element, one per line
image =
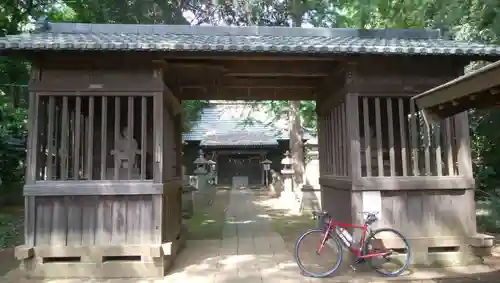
<point x="475" y="83"/>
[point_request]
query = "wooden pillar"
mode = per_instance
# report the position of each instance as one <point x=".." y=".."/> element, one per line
<point x="464" y="158"/>
<point x="335" y="142"/>
<point x="159" y="113"/>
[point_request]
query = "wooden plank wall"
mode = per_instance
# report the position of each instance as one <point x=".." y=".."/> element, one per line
<point x="335" y="140"/>
<point x="338" y="204"/>
<point x="396" y="143"/>
<point x="94" y="220"/>
<point x="430" y="214"/>
<point x="92" y="125"/>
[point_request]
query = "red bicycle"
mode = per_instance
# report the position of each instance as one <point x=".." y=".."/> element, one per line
<point x="372" y="247"/>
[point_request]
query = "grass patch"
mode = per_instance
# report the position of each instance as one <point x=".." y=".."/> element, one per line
<point x="11" y="226"/>
<point x="207" y="223"/>
<point x="488" y="215"/>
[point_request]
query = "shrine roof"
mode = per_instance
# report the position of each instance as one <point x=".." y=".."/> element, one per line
<point x="135" y="37"/>
<point x="239" y="138"/>
<point x="226" y="119"/>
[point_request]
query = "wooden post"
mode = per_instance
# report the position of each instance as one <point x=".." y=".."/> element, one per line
<point x="31" y="168"/>
<point x="463" y="142"/>
<point x="158" y="135"/>
<point x="104" y="136"/>
<point x="90" y="140"/>
<point x="352" y="105"/>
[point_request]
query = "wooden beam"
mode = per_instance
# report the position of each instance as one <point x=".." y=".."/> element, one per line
<point x="278" y="69"/>
<point x="419" y="183"/>
<point x="89" y="188"/>
<point x="245" y="93"/>
<point x="227" y="68"/>
<point x="196" y="65"/>
<point x="250" y="57"/>
<point x="326" y="90"/>
<point x="274" y="74"/>
<point x="232" y="82"/>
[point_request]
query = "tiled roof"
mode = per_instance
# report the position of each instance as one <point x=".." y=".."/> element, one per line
<point x="71" y="36"/>
<point x="239" y="138"/>
<point x="228" y="118"/>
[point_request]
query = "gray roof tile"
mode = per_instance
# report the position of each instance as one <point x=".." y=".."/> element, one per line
<point x="70" y="36"/>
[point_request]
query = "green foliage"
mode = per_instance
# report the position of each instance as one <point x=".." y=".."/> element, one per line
<point x="12" y="131"/>
<point x="279" y="110"/>
<point x="488" y="218"/>
<point x="192" y="112"/>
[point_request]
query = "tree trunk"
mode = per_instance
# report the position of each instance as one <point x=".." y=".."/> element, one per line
<point x="296" y="144"/>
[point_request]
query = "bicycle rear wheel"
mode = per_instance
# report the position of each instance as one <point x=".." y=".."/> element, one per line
<point x="394" y="243"/>
<point x="314" y="263"/>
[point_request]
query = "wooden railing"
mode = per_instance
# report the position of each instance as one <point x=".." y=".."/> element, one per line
<point x="333" y="142"/>
<point x="396" y="140"/>
<point x="76" y="136"/>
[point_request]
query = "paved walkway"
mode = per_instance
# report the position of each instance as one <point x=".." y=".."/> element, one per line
<point x="252" y="252"/>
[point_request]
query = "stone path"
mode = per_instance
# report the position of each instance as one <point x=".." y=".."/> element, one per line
<point x="251" y="251"/>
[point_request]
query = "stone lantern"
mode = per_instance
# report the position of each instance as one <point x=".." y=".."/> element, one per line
<point x="287" y="173"/>
<point x="312" y="166"/>
<point x="201" y="163"/>
<point x="211" y="165"/>
<point x="201" y="171"/>
<point x="212" y="170"/>
<point x="287" y="162"/>
<point x="187" y="195"/>
<point x="311" y="190"/>
<point x="266" y="166"/>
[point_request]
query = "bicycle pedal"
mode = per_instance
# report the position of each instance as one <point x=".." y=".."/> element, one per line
<point x="352" y="267"/>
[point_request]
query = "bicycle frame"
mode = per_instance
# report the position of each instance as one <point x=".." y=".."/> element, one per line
<point x="332" y="224"/>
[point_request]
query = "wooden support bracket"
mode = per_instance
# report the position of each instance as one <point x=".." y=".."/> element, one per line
<point x="173" y="103"/>
<point x="327" y="97"/>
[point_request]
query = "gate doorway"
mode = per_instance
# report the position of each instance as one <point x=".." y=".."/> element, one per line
<point x="350" y="73"/>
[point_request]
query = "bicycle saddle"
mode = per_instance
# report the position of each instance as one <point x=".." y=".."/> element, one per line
<point x="319" y="214"/>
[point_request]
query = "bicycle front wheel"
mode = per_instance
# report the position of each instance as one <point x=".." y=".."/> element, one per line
<point x="314" y="260"/>
<point x="394" y="246"/>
